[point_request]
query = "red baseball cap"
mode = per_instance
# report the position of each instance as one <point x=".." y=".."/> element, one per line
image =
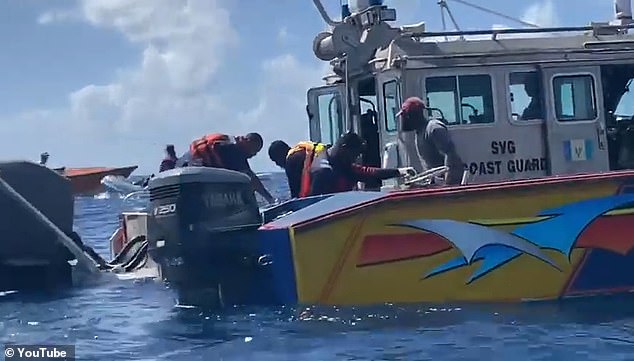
<point x="412" y="104"/>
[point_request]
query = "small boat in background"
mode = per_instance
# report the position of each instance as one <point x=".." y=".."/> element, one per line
<point x="87" y="181"/>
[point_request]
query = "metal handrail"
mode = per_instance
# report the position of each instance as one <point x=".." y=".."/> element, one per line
<point x="517" y="31"/>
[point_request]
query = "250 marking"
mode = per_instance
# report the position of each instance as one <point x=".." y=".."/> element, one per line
<point x="165" y="209"/>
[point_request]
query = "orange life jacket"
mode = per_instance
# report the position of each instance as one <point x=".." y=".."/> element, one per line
<point x="312" y="149"/>
<point x="204" y="149"/>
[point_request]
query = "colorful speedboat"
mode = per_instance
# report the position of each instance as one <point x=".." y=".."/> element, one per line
<point x="512" y="241"/>
<point x="546" y="209"/>
<point x="525" y="240"/>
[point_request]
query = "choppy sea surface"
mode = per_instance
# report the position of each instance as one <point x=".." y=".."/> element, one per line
<point x="139" y="321"/>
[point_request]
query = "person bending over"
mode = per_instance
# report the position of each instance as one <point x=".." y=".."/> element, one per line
<point x="233" y="153"/>
<point x="295" y="161"/>
<point x="335" y="171"/>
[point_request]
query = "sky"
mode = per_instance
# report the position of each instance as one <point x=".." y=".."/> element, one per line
<point x="110" y="82"/>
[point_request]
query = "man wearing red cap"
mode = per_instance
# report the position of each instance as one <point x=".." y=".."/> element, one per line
<point x="433" y="140"/>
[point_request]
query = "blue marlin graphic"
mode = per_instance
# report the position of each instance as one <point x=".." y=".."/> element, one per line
<point x="474" y="241"/>
<point x="495" y="248"/>
<point x="561" y="231"/>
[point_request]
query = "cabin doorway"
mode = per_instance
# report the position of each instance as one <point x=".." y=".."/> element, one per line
<point x="369" y="125"/>
<point x="327" y="121"/>
<point x="619" y="112"/>
<point x="326" y="113"/>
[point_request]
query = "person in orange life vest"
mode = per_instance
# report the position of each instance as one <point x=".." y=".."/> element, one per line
<point x="233" y="153"/>
<point x="334" y="170"/>
<point x="294" y="161"/>
<point x="169" y="162"/>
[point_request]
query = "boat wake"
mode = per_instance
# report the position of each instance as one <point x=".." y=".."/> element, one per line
<point x="119" y="184"/>
<point x="121" y="187"/>
<point x="107" y="195"/>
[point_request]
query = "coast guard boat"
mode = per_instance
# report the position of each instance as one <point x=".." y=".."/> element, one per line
<point x="545" y="211"/>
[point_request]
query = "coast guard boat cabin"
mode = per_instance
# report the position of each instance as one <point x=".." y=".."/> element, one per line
<point x="519" y="103"/>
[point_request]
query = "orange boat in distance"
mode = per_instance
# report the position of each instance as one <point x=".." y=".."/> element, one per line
<point x="87" y="181"/>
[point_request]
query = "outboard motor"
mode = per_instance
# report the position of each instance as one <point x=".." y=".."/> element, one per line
<point x="202" y="232"/>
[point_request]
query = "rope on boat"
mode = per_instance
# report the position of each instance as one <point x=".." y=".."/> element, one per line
<point x="443" y="5"/>
<point x="132" y="257"/>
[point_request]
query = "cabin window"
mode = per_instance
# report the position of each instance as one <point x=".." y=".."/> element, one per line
<point x="574" y="98"/>
<point x="390" y="104"/>
<point x="464" y="99"/>
<point x="526" y="96"/>
<point x="330" y="117"/>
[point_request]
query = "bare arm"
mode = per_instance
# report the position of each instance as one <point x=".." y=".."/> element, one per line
<point x="369" y="174"/>
<point x="259" y="187"/>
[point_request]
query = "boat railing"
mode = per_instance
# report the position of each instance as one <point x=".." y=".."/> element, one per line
<point x="465" y="178"/>
<point x="277" y="211"/>
<point x="597" y="29"/>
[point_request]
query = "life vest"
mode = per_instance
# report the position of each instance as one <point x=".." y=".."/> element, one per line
<point x="204" y="149"/>
<point x="312" y="149"/>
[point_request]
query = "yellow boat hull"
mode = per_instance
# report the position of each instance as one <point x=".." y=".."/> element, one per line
<point x="494" y="243"/>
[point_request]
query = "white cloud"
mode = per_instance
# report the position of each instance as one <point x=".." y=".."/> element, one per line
<point x="184" y="44"/>
<point x="58" y="16"/>
<point x="169" y="97"/>
<point x="283" y="35"/>
<point x="542" y="14"/>
<point x="281" y="110"/>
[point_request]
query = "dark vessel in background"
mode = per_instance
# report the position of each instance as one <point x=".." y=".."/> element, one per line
<point x="39" y="250"/>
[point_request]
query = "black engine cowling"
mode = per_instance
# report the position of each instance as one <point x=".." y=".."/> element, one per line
<point x="202" y="231"/>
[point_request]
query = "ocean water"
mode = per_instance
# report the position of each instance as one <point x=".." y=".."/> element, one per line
<point x="139" y="321"/>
